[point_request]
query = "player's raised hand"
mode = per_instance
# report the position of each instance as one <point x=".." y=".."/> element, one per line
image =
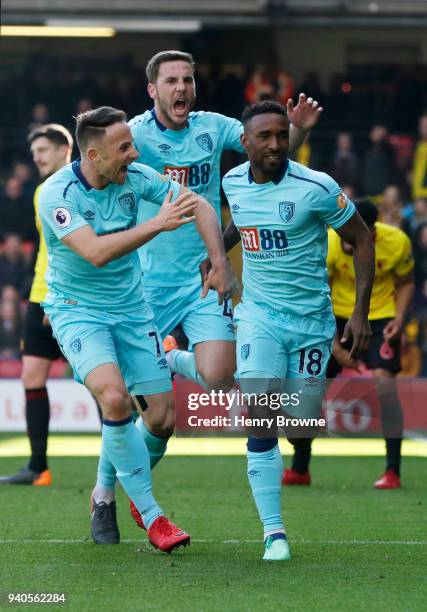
<point x="305" y="114"/>
<point x="220" y="277"/>
<point x="174" y="214"/>
<point x="357" y="328"/>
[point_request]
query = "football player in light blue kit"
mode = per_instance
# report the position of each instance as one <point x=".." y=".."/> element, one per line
<point x="96" y="304"/>
<point x="187" y="146"/>
<point x="285" y="325"/>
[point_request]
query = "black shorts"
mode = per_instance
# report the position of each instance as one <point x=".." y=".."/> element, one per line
<point x="380" y="354"/>
<point x="38" y="340"/>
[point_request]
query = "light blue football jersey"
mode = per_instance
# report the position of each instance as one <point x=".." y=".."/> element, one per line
<point x="283" y="226"/>
<point x="67" y="202"/>
<point x="191" y="157"/>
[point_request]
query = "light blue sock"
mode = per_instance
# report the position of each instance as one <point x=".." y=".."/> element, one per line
<point x="156" y="446"/>
<point x="264" y="473"/>
<point x="106" y="473"/>
<point x="184" y="363"/>
<point x="128" y="453"/>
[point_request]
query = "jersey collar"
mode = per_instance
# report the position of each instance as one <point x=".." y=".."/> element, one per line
<point x="160" y="125"/>
<point x="279" y="175"/>
<point x="77" y="171"/>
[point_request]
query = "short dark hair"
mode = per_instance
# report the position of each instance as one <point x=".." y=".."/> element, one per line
<point x="54" y="132"/>
<point x="261" y="108"/>
<point x="367" y="210"/>
<point x="153" y="66"/>
<point x="92" y="123"/>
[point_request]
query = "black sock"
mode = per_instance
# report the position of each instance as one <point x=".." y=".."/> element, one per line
<point x="393" y="454"/>
<point x="37" y="414"/>
<point x="302" y="454"/>
<point x="392" y="423"/>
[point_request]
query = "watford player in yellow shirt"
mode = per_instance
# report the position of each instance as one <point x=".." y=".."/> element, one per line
<point x="51" y="148"/>
<point x="391" y="297"/>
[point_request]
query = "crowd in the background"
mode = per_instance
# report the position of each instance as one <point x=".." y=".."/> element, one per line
<point x="382" y="153"/>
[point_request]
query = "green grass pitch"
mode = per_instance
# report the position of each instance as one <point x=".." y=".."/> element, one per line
<point x="354" y="548"/>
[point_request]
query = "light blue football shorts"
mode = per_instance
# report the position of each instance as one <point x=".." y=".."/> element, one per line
<point x="90" y="338"/>
<point x="202" y="319"/>
<point x="284" y="352"/>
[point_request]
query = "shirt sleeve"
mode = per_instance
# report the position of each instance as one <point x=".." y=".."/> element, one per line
<point x="156" y="186"/>
<point x="59" y="217"/>
<point x="405" y="262"/>
<point x="332" y="204"/>
<point x="231" y="130"/>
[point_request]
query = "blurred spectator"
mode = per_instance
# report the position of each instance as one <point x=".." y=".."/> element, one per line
<point x="269" y="82"/>
<point x="419" y="169"/>
<point x="390" y="206"/>
<point x="345" y="164"/>
<point x="420" y="256"/>
<point x="378" y="168"/>
<point x="230" y="92"/>
<point x="23" y="172"/>
<point x="16" y="212"/>
<point x="10" y="328"/>
<point x="83" y="105"/>
<point x="14" y="269"/>
<point x="39" y="116"/>
<point x="414" y="215"/>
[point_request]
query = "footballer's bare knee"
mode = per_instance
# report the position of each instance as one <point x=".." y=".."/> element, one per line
<point x="160" y="414"/>
<point x="115" y="402"/>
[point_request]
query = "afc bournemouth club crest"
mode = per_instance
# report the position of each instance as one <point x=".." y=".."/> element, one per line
<point x="127" y="203"/>
<point x="205" y="141"/>
<point x="245" y="350"/>
<point x="76" y="346"/>
<point x="287" y="211"/>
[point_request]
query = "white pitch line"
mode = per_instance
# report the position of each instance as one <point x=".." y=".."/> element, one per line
<point x="237" y="542"/>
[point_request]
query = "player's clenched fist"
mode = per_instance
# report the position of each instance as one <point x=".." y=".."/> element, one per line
<point x="177" y="213"/>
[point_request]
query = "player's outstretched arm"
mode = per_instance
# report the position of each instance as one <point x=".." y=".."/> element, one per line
<point x="357" y="234"/>
<point x="100" y="250"/>
<point x="303" y="117"/>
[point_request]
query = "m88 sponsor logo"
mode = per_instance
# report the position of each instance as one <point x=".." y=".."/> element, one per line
<point x="263" y="239"/>
<point x="189" y="176"/>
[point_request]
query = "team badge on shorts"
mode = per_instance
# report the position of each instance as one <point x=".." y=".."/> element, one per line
<point x="76" y="346"/>
<point x="287" y="211"/>
<point x="244" y="351"/>
<point x="62" y="217"/>
<point x="205" y="141"/>
<point x="386" y="351"/>
<point x="127" y="203"/>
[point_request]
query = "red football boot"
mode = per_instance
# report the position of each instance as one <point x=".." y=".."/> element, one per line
<point x="136" y="515"/>
<point x="291" y="477"/>
<point x="390" y="480"/>
<point x="166" y="536"/>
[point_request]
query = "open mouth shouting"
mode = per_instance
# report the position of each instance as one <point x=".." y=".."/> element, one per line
<point x="180" y="107"/>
